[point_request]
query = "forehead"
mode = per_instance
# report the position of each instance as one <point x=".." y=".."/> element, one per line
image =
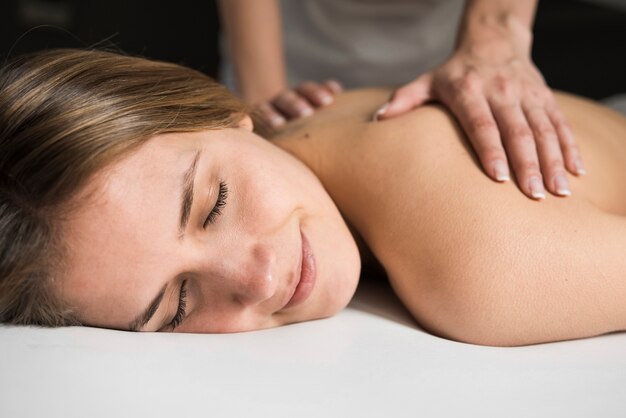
<point x="145" y="185"/>
<point x="125" y="228"/>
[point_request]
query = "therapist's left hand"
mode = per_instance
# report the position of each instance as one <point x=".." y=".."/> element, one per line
<point x="507" y="111"/>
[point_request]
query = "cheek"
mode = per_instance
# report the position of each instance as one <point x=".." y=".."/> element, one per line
<point x="271" y="182"/>
<point x="274" y="185"/>
<point x="339" y="265"/>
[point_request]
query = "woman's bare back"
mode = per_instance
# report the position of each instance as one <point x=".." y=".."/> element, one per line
<point x="600" y="134"/>
<point x="471" y="258"/>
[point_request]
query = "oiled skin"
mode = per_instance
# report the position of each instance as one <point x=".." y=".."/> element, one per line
<point x="472" y="259"/>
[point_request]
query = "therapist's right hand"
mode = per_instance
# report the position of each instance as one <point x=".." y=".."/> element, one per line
<point x="298" y="102"/>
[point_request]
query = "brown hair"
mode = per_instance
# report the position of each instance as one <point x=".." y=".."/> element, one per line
<point x="65" y="115"/>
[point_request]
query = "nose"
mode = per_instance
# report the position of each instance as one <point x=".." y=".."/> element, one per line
<point x="248" y="276"/>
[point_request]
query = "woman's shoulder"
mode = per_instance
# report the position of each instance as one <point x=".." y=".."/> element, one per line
<point x="425" y="149"/>
<point x="348" y="107"/>
<point x="358" y="106"/>
<point x="422" y="160"/>
<point x="347" y="125"/>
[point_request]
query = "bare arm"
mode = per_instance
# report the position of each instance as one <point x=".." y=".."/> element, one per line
<point x="489" y="18"/>
<point x="255" y="41"/>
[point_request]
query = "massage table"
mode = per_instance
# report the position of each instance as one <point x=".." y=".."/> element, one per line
<point x="370" y="360"/>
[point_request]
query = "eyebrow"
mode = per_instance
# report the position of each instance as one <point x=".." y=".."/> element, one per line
<point x="187" y="195"/>
<point x="146" y="315"/>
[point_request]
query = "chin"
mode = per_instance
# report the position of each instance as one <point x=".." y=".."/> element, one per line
<point x="335" y="295"/>
<point x="343" y="284"/>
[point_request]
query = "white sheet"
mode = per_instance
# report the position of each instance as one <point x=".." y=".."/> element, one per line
<point x="368" y="361"/>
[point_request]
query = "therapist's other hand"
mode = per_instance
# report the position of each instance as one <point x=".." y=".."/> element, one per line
<point x="298" y="102"/>
<point x="507" y="111"/>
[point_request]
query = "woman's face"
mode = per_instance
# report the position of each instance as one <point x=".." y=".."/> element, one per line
<point x="212" y="231"/>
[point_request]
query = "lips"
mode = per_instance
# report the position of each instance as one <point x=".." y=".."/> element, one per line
<point x="308" y="272"/>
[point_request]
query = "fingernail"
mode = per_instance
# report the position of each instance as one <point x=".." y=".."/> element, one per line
<point x="562" y="185"/>
<point x="580" y="169"/>
<point x="335" y="86"/>
<point x="277" y="121"/>
<point x="380" y="112"/>
<point x="501" y="170"/>
<point x="326" y="99"/>
<point x="305" y="111"/>
<point x="536" y="188"/>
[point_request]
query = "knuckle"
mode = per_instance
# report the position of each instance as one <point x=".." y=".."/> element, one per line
<point x="309" y="88"/>
<point x="540" y="96"/>
<point x="504" y="89"/>
<point x="467" y="84"/>
<point x="284" y="98"/>
<point x="520" y="133"/>
<point x="556" y="116"/>
<point x="547" y="96"/>
<point x="572" y="149"/>
<point x="535" y="94"/>
<point x="267" y="116"/>
<point x="290" y="104"/>
<point x="491" y="152"/>
<point x="264" y="107"/>
<point x="529" y="167"/>
<point x="502" y="85"/>
<point x="307" y="85"/>
<point x="299" y="103"/>
<point x="545" y="132"/>
<point x="482" y="123"/>
<point x="289" y="94"/>
<point x="566" y="139"/>
<point x="267" y="112"/>
<point x="554" y="165"/>
<point x="324" y="90"/>
<point x="564" y="123"/>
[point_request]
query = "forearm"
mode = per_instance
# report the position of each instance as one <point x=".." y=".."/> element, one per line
<point x="487" y="21"/>
<point x="255" y="42"/>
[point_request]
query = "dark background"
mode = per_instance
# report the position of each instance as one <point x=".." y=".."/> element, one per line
<point x="579" y="47"/>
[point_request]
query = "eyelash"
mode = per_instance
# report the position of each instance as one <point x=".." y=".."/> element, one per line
<point x="215" y="212"/>
<point x="182" y="304"/>
<point x="219" y="205"/>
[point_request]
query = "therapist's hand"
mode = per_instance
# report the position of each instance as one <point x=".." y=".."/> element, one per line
<point x="508" y="113"/>
<point x="298" y="102"/>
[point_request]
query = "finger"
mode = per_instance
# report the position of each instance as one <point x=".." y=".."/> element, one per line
<point x="334" y="86"/>
<point x="475" y="116"/>
<point x="520" y="145"/>
<point x="571" y="153"/>
<point x="270" y="115"/>
<point x="406" y="98"/>
<point x="549" y="150"/>
<point x="317" y="94"/>
<point x="292" y="105"/>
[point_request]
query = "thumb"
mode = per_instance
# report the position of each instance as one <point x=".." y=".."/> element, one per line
<point x="407" y="97"/>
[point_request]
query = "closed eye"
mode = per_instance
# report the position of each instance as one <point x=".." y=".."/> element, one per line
<point x="182" y="305"/>
<point x="219" y="205"/>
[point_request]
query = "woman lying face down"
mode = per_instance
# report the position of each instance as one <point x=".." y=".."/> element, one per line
<point x="169" y="211"/>
<point x="137" y="197"/>
<point x="210" y="231"/>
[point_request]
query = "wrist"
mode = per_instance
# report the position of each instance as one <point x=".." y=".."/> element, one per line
<point x="485" y="33"/>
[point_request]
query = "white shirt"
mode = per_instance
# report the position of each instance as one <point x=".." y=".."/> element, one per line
<point x="364" y="42"/>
